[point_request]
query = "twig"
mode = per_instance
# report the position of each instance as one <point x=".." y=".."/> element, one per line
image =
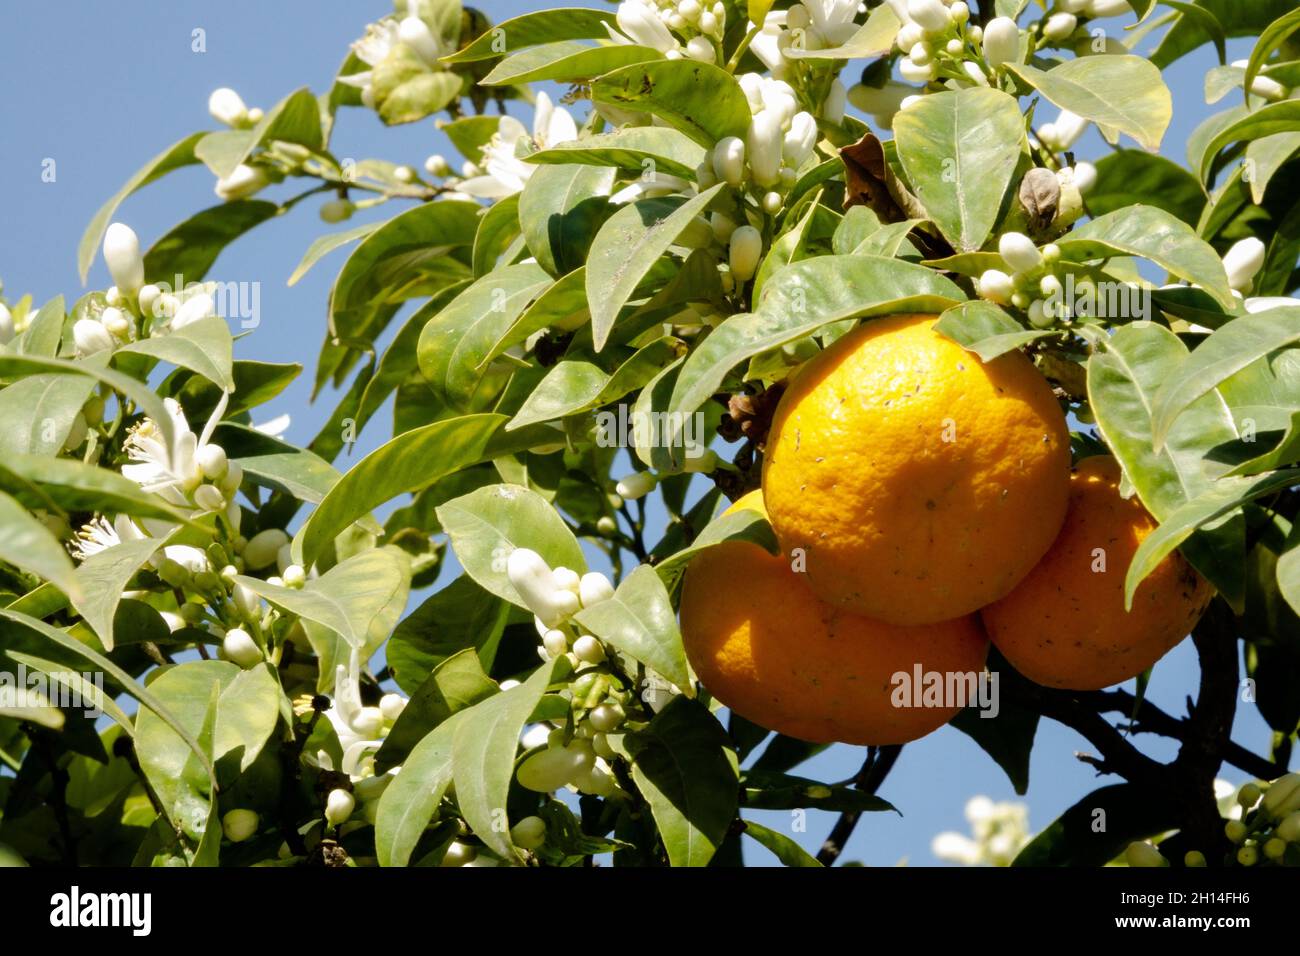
<point x="880" y="760"/>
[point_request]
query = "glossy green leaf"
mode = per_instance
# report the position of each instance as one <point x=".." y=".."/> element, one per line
<point x="38" y="482"/>
<point x="531" y="29"/>
<point x="295" y="119"/>
<point x="627" y="247"/>
<point x="639" y="621"/>
<point x="324" y="245"/>
<point x="1120" y="93"/>
<point x="190" y="249"/>
<point x="103" y="577"/>
<point x="783" y="847"/>
<point x="985" y="329"/>
<point x="743" y="525"/>
<point x="699" y="99"/>
<point x="560" y="209"/>
<point x="37" y="412"/>
<point x="204" y="347"/>
<point x="410" y="801"/>
<point x="1074" y="839"/>
<point x="28" y="544"/>
<point x="410" y="461"/>
<point x="498" y="230"/>
<point x="960" y="150"/>
<point x="462" y="615"/>
<point x="487" y="524"/>
<point x="1274" y="36"/>
<point x="1130" y="177"/>
<point x="635" y="149"/>
<point x="1270" y="120"/>
<point x="566" y="61"/>
<point x="455" y="684"/>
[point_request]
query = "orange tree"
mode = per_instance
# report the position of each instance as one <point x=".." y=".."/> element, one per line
<point x="700" y="245"/>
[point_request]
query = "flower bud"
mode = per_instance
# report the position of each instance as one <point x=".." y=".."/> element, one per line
<point x="930" y="15"/>
<point x="1235" y="831"/>
<point x="1248" y="795"/>
<point x="415" y="34"/>
<point x="588" y="650"/>
<point x="636" y="21"/>
<point x="606" y="526"/>
<point x="113" y="297"/>
<point x="248" y="603"/>
<point x="698" y="48"/>
<point x="1248" y="856"/>
<point x="245" y="181"/>
<point x="548" y="770"/>
<point x="638" y="484"/>
<point x="975" y="72"/>
<point x="227" y="107"/>
<point x="368" y="722"/>
<point x="122" y="256"/>
<point x="763" y="146"/>
<point x="916" y="74"/>
<point x="1275" y="849"/>
<point x="534" y="582"/>
<point x="339" y="806"/>
<point x="7" y="327"/>
<point x="209" y="498"/>
<point x="1085" y="177"/>
<point x="1242" y="262"/>
<point x="1282" y="797"/>
<point x="555" y="643"/>
<point x="959" y="13"/>
<point x="392" y="705"/>
<point x="836" y="99"/>
<point x="337" y="210"/>
<point x="262" y="548"/>
<point x="1144" y="854"/>
<point x="1060" y="25"/>
<point x="234" y="476"/>
<point x="800" y="142"/>
<point x="1194" y="859"/>
<point x="212" y="461"/>
<point x="117" y="323"/>
<point x="1106" y="8"/>
<point x="995" y="286"/>
<point x="729" y="160"/>
<point x="239" y="825"/>
<point x="745" y="250"/>
<point x="529" y="833"/>
<point x="567" y="579"/>
<point x="241" y="649"/>
<point x="436" y="165"/>
<point x="294" y="576"/>
<point x="90" y="337"/>
<point x="607" y="718"/>
<point x="1001" y="42"/>
<point x="459" y="854"/>
<point x="1020" y="252"/>
<point x="909" y="35"/>
<point x="1289" y="829"/>
<point x="594" y="588"/>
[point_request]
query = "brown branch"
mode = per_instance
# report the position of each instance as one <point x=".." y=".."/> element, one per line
<point x="880" y="760"/>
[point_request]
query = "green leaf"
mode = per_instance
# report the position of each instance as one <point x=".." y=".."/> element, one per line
<point x="488" y="523"/>
<point x="1205" y="20"/>
<point x="639" y="621"/>
<point x="204" y="347"/>
<point x="483" y="757"/>
<point x="1122" y="382"/>
<point x="960" y="150"/>
<point x="462" y="615"/>
<point x="566" y="61"/>
<point x="348" y="598"/>
<point x="985" y="329"/>
<point x="560" y="209"/>
<point x="190" y="249"/>
<point x="569" y="385"/>
<point x="1272" y="39"/>
<point x="784" y="848"/>
<point x="1129" y="178"/>
<point x="455" y="343"/>
<point x="681" y="766"/>
<point x="803" y="298"/>
<point x="417" y="94"/>
<point x="545" y="26"/>
<point x="44" y="330"/>
<point x="635" y="149"/>
<point x="145" y="697"/>
<point x="744" y="525"/>
<point x="37" y="413"/>
<point x="408" y="462"/>
<point x="1227" y="351"/>
<point x="498" y="233"/>
<point x="1222" y="499"/>
<point x="177" y="155"/>
<point x="1120" y="93"/>
<point x="38" y="482"/>
<point x="763" y="789"/>
<point x="1283" y="117"/>
<point x="875" y="38"/>
<point x="627" y="246"/>
<point x="295" y="119"/>
<point x="1267" y="156"/>
<point x="410" y="801"/>
<point x="1007" y="737"/>
<point x="324" y="245"/>
<point x="701" y="100"/>
<point x="103" y="578"/>
<point x="1288" y="572"/>
<point x="1076" y="839"/>
<point x="1286" y="452"/>
<point x="271" y="463"/>
<point x="455" y="684"/>
<point x="27" y="543"/>
<point x="1151" y="233"/>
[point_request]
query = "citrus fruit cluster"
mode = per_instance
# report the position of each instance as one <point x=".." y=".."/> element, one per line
<point x="925" y="503"/>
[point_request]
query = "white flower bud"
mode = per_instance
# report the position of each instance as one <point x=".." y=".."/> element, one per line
<point x="566" y="603"/>
<point x="556" y="644"/>
<point x="148" y="298"/>
<point x="606" y="718"/>
<point x="339" y="806"/>
<point x="1144" y="854"/>
<point x="294" y="576"/>
<point x="910" y="35"/>
<point x="640" y="24"/>
<point x="534" y="582"/>
<point x="227" y="107"/>
<point x="7" y="327"/>
<point x="1060" y="25"/>
<point x="209" y="498"/>
<point x="916" y="74"/>
<point x="436" y="165"/>
<point x="1020" y="252"/>
<point x="1243" y="261"/>
<point x="639" y="483"/>
<point x="1264" y="303"/>
<point x="763" y="146"/>
<point x="368" y="722"/>
<point x="729" y="160"/>
<point x="246" y="600"/>
<point x="530" y="832"/>
<point x="975" y="72"/>
<point x="262" y="548"/>
<point x="1001" y="42"/>
<point x="1106" y="8"/>
<point x="392" y="705"/>
<point x="245" y="181"/>
<point x="239" y="825"/>
<point x="959" y="13"/>
<point x="588" y="649"/>
<point x="113" y="297"/>
<point x="1268" y="88"/>
<point x="930" y="15"/>
<point x="255" y="115"/>
<point x="800" y="142"/>
<point x="920" y="54"/>
<point x="117" y="323"/>
<point x="1085" y="177"/>
<point x="122" y="256"/>
<point x="1282" y="797"/>
<point x="956" y="47"/>
<point x="212" y="461"/>
<point x="241" y="649"/>
<point x="745" y="249"/>
<point x="415" y="34"/>
<point x="698" y="48"/>
<point x="234" y="477"/>
<point x="90" y="337"/>
<point x="567" y="579"/>
<point x="995" y="286"/>
<point x="836" y="99"/>
<point x="594" y="588"/>
<point x="194" y="309"/>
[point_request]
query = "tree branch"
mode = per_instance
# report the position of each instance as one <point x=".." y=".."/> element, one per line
<point x="880" y="760"/>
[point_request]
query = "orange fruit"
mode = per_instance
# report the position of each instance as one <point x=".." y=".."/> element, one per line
<point x="919" y="482"/>
<point x="765" y="646"/>
<point x="1065" y="625"/>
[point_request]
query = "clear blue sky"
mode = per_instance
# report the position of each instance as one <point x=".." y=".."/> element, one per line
<point x="121" y="83"/>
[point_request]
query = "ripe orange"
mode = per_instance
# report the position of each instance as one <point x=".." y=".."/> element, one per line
<point x="920" y="482"/>
<point x="765" y="646"/>
<point x="1065" y="624"/>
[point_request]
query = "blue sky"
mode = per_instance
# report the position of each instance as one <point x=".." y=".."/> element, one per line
<point x="124" y="82"/>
